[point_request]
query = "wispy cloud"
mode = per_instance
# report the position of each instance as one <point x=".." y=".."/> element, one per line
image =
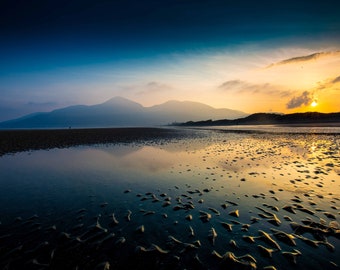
<point x="296" y="102"/>
<point x="153" y="88"/>
<point x="304" y="58"/>
<point x="42" y="104"/>
<point x="328" y="83"/>
<point x="231" y="84"/>
<point x="239" y="87"/>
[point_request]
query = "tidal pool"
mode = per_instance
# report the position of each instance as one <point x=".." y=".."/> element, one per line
<point x="223" y="199"/>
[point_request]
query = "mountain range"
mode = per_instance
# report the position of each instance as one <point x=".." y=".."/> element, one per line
<point x="121" y="112"/>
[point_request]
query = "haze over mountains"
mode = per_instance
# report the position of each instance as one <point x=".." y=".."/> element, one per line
<point x="119" y="111"/>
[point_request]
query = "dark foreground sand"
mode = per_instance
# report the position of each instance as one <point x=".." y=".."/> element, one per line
<point x="12" y="141"/>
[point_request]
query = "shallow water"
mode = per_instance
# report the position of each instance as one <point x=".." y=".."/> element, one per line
<point x="51" y="202"/>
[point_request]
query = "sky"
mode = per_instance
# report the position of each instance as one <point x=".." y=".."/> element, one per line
<point x="252" y="56"/>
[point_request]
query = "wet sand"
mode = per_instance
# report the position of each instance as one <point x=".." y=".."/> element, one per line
<point x="12" y="141"/>
<point x="220" y="200"/>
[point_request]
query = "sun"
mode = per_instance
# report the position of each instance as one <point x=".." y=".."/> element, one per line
<point x="314" y="104"/>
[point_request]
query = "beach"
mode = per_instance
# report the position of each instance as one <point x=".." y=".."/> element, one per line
<point x="176" y="198"/>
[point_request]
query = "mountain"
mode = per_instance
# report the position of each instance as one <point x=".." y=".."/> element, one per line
<point x="273" y="119"/>
<point x="119" y="111"/>
<point x="174" y="111"/>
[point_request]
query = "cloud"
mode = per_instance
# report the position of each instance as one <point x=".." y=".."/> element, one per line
<point x="336" y="80"/>
<point x="301" y="58"/>
<point x="328" y="83"/>
<point x="308" y="96"/>
<point x="232" y="84"/>
<point x="304" y="58"/>
<point x="303" y="99"/>
<point x="240" y="87"/>
<point x="42" y="104"/>
<point x="154" y="88"/>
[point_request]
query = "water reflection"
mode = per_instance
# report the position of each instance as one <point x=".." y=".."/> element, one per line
<point x="161" y="185"/>
<point x="281" y="129"/>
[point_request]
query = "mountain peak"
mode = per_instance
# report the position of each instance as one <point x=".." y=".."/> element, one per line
<point x="121" y="102"/>
<point x="118" y="100"/>
<point x="185" y="104"/>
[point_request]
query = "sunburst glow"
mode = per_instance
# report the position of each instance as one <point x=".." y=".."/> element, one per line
<point x="314" y="104"/>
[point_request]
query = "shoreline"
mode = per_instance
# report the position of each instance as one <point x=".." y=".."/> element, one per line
<point x="14" y="141"/>
<point x="21" y="140"/>
<point x="311" y="125"/>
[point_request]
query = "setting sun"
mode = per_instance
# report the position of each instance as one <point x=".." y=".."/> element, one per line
<point x="314" y="104"/>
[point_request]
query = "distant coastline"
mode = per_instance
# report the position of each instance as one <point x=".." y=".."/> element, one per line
<point x="295" y="119"/>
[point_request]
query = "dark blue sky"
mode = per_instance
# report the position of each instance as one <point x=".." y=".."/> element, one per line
<point x="45" y="36"/>
<point x="91" y="29"/>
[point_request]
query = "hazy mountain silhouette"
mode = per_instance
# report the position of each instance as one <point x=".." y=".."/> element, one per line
<point x="119" y="111"/>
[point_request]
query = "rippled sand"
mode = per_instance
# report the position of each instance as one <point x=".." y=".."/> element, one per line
<point x="218" y="200"/>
